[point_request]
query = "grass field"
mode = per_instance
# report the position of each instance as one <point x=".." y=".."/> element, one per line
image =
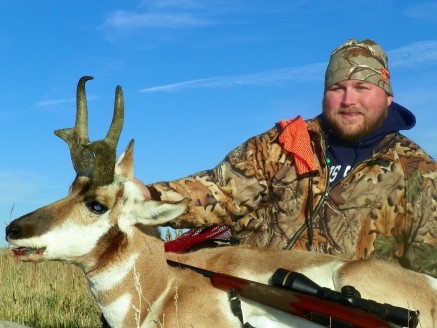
<point x="45" y="295"/>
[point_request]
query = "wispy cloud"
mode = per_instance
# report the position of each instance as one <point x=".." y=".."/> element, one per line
<point x="41" y="105"/>
<point x="423" y="10"/>
<point x="22" y="191"/>
<point x="22" y="186"/>
<point x="125" y="19"/>
<point x="167" y="17"/>
<point x="403" y="57"/>
<point x="174" y="15"/>
<point x="296" y="74"/>
<point x="170" y="14"/>
<point x="418" y="53"/>
<point x="54" y="102"/>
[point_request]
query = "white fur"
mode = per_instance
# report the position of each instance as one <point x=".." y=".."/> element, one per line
<point x="432" y="281"/>
<point x="323" y="274"/>
<point x="69" y="240"/>
<point x="116" y="311"/>
<point x="113" y="275"/>
<point x="259" y="315"/>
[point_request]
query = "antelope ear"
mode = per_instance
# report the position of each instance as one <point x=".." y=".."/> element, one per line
<point x="156" y="213"/>
<point x="125" y="163"/>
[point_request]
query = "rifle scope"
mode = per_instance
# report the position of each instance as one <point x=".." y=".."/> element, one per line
<point x="298" y="282"/>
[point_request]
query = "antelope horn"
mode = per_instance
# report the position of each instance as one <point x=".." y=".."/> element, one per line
<point x="81" y="157"/>
<point x="105" y="150"/>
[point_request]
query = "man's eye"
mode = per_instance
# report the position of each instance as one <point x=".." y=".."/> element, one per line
<point x="96" y="207"/>
<point x="334" y="88"/>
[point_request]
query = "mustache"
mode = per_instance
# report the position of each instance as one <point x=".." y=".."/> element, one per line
<point x="351" y="110"/>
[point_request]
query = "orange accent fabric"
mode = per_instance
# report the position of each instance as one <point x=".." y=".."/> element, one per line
<point x="296" y="140"/>
<point x="385" y="74"/>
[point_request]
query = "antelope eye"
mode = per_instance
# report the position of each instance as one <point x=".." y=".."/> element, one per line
<point x="96" y="207"/>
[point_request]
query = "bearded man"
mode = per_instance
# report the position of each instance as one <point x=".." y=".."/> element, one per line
<point x="346" y="182"/>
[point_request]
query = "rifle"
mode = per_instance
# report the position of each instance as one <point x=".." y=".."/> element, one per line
<point x="310" y="301"/>
<point x="348" y="296"/>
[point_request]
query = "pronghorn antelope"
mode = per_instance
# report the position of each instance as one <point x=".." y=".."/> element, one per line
<point x="106" y="226"/>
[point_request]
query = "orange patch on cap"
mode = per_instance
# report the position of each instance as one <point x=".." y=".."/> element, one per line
<point x="385" y="74"/>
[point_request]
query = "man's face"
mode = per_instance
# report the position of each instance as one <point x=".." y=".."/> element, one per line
<point x="354" y="108"/>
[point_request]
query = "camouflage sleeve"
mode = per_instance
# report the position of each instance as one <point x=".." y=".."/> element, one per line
<point x="420" y="232"/>
<point x="220" y="196"/>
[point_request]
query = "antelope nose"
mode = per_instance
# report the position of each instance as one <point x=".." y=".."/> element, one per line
<point x="12" y="230"/>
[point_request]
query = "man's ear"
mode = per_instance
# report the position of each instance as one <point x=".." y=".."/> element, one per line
<point x="389" y="100"/>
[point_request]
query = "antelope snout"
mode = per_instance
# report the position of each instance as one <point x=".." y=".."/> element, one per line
<point x="13" y="231"/>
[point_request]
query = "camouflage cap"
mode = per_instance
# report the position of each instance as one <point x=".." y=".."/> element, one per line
<point x="359" y="60"/>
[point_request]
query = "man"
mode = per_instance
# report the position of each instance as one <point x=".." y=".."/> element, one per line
<point x="345" y="183"/>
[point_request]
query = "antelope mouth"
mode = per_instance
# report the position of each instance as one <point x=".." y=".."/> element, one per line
<point x="28" y="252"/>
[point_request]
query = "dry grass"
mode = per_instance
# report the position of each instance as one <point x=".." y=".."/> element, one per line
<point x="45" y="295"/>
<point x="49" y="294"/>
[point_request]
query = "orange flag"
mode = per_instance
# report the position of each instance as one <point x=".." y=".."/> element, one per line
<point x="296" y="140"/>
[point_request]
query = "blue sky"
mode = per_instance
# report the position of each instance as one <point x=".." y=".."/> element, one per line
<point x="199" y="78"/>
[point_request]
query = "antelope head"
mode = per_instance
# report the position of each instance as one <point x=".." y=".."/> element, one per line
<point x="103" y="204"/>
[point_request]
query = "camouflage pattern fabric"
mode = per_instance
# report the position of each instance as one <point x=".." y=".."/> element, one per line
<point x="359" y="60"/>
<point x="385" y="208"/>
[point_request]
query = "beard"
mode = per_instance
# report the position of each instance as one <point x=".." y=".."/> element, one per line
<point x="350" y="133"/>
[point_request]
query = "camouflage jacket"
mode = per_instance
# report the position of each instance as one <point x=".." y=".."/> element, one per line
<point x="385" y="207"/>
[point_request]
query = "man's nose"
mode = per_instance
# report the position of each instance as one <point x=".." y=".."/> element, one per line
<point x="349" y="97"/>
